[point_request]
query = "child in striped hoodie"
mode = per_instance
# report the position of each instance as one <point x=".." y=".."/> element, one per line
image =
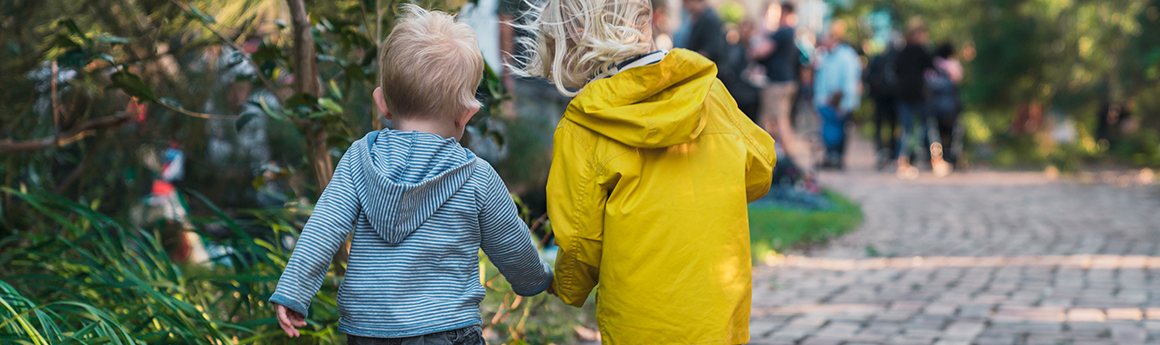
<point x="422" y="205"/>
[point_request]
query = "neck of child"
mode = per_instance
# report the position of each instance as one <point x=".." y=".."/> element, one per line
<point x="446" y="129"/>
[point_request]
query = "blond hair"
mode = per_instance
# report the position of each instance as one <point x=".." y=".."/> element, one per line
<point x="578" y="40"/>
<point x="429" y="65"/>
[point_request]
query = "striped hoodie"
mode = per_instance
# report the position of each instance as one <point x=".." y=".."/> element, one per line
<point x="421" y="206"/>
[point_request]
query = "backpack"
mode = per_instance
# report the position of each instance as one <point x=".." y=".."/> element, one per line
<point x="943" y="101"/>
<point x="879" y="77"/>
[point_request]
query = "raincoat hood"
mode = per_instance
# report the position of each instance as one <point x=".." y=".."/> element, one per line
<point x="407" y="176"/>
<point x="651" y="106"/>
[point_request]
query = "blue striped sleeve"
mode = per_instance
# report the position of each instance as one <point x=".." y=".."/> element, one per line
<point x="332" y="218"/>
<point x="507" y="242"/>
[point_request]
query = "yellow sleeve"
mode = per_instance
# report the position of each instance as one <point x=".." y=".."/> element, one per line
<point x="760" y="157"/>
<point x="576" y="200"/>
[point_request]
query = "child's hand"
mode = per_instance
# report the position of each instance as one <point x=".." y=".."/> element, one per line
<point x="551" y="288"/>
<point x="289" y="319"/>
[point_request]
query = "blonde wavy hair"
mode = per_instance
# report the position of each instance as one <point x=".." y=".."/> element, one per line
<point x="578" y="40"/>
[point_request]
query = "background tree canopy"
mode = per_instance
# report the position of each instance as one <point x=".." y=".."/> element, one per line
<point x="221" y="79"/>
<point x="1067" y="55"/>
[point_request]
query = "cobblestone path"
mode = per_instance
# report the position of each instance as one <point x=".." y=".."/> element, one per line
<point x="980" y="257"/>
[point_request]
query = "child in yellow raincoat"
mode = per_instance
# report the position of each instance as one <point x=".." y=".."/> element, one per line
<point x="653" y="166"/>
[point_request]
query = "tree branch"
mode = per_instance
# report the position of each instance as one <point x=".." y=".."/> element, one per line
<point x="306" y="81"/>
<point x="196" y="114"/>
<point x="7" y="146"/>
<point x="305" y="66"/>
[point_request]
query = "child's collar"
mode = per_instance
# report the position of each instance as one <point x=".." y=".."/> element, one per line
<point x="643" y="60"/>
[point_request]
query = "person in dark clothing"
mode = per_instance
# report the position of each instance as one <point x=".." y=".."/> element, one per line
<point x="943" y="106"/>
<point x="732" y="71"/>
<point x="910" y="67"/>
<point x="780" y="58"/>
<point x="706" y="36"/>
<point x="880" y="82"/>
<point x="781" y="61"/>
<point x="1111" y="116"/>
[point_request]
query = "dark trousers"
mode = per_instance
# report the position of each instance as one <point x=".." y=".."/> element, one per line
<point x="471" y="335"/>
<point x="885" y="113"/>
<point x="835" y="152"/>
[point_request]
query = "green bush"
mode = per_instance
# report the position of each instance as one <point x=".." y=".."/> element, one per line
<point x="85" y="277"/>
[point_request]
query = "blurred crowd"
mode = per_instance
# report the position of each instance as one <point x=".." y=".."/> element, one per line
<point x="803" y="93"/>
<point x="800" y="84"/>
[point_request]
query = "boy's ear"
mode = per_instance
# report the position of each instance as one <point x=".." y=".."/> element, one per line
<point x="467" y="114"/>
<point x="381" y="103"/>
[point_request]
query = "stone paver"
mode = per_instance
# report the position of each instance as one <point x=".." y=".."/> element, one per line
<point x="980" y="257"/>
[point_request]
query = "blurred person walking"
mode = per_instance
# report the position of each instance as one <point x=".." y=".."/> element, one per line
<point x="706" y="31"/>
<point x="943" y="108"/>
<point x="733" y="71"/>
<point x="881" y="86"/>
<point x="910" y="67"/>
<point x="780" y="59"/>
<point x="836" y="92"/>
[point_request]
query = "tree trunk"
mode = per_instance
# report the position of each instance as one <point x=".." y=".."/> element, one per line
<point x="306" y="81"/>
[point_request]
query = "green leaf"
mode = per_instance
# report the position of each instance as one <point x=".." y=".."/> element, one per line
<point x="75" y="58"/>
<point x="66" y="42"/>
<point x="301" y="100"/>
<point x="107" y="57"/>
<point x="353" y="9"/>
<point x="266" y="108"/>
<point x="132" y="85"/>
<point x="258" y="182"/>
<point x="243" y="120"/>
<point x="268" y="52"/>
<point x="197" y="13"/>
<point x="328" y="104"/>
<point x="497" y="137"/>
<point x="74" y="29"/>
<point x="334" y="90"/>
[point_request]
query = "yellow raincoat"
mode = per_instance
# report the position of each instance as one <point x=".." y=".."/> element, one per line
<point x="651" y="172"/>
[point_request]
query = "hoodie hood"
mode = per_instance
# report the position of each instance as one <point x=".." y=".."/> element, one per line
<point x="651" y="106"/>
<point x="407" y="176"/>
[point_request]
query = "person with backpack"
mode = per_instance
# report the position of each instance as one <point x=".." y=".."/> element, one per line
<point x="943" y="108"/>
<point x="881" y="83"/>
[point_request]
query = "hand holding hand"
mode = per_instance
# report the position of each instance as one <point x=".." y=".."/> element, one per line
<point x="289" y="320"/>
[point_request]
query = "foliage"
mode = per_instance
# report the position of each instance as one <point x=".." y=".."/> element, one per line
<point x="1068" y="55"/>
<point x="774" y="229"/>
<point x="540" y="319"/>
<point x="92" y="278"/>
<point x="214" y="77"/>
